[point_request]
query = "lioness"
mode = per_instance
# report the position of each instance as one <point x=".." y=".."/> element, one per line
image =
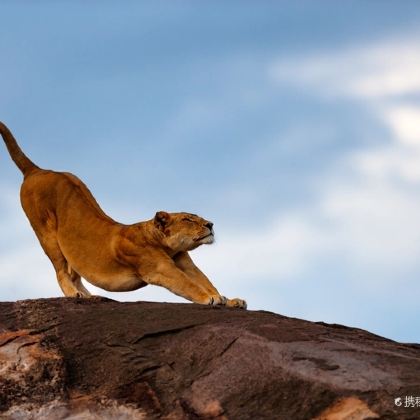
<point x="81" y="240"/>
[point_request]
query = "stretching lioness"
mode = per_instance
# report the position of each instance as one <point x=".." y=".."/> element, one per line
<point x="81" y="240"/>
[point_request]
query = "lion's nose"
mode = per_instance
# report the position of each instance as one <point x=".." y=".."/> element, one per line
<point x="209" y="225"/>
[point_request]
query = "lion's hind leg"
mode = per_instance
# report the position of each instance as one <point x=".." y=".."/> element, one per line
<point x="71" y="284"/>
<point x="68" y="280"/>
<point x="44" y="224"/>
<point x="77" y="281"/>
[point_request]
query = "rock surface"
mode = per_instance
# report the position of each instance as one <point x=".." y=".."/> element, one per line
<point x="100" y="359"/>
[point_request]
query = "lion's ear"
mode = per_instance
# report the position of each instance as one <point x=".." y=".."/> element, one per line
<point x="161" y="219"/>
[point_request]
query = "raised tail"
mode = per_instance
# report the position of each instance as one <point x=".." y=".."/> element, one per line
<point x="21" y="160"/>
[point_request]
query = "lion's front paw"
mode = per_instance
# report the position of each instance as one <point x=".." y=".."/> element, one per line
<point x="217" y="300"/>
<point x="236" y="303"/>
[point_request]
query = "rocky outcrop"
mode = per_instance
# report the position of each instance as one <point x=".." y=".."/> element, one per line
<point x="102" y="359"/>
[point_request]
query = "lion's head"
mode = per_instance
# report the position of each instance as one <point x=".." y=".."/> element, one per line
<point x="183" y="231"/>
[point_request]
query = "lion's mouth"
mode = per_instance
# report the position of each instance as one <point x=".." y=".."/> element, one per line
<point x="207" y="235"/>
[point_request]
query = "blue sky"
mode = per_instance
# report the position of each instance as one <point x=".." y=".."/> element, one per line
<point x="293" y="126"/>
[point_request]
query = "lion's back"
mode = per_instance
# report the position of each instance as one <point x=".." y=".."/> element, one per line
<point x="46" y="193"/>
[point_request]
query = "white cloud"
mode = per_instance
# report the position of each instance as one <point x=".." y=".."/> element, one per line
<point x="377" y="76"/>
<point x="367" y="223"/>
<point x="377" y="71"/>
<point x="374" y="223"/>
<point x="404" y="122"/>
<point x="389" y="162"/>
<point x="399" y="158"/>
<point x="274" y="251"/>
<point x="369" y="197"/>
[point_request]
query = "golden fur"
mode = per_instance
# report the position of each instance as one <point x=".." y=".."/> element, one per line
<point x="82" y="241"/>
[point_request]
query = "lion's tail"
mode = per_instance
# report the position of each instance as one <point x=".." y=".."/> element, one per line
<point x="21" y="160"/>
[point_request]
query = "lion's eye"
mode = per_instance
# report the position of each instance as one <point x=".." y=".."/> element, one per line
<point x="187" y="219"/>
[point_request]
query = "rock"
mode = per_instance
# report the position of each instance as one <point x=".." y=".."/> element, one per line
<point x="96" y="359"/>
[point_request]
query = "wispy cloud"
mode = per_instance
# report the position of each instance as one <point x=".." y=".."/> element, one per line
<point x="381" y="70"/>
<point x="273" y="251"/>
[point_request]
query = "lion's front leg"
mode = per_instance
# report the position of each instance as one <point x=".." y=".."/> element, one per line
<point x="168" y="275"/>
<point x="184" y="262"/>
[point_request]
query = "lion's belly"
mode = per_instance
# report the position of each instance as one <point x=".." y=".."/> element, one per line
<point x="100" y="269"/>
<point x="88" y="252"/>
<point x="114" y="282"/>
